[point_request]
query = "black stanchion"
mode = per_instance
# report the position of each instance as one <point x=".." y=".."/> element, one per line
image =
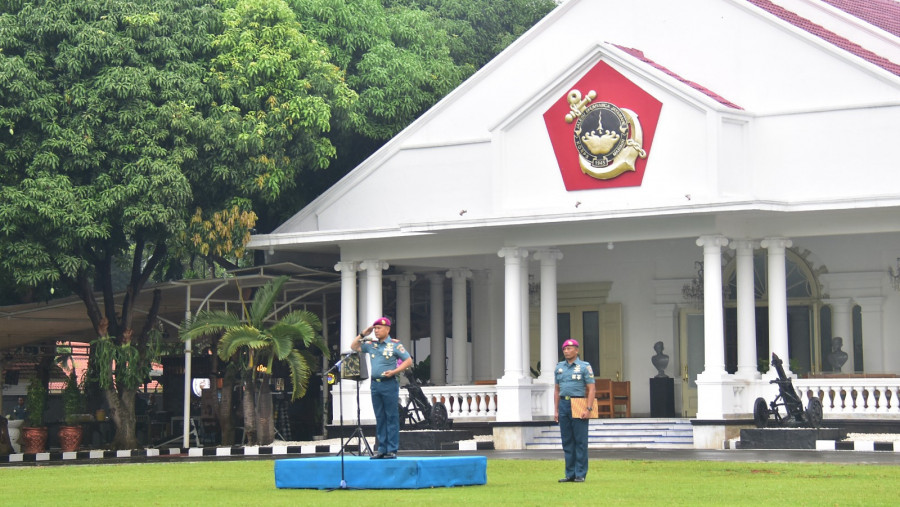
<point x="355" y="369"/>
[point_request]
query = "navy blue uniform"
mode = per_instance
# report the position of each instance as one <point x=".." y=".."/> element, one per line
<point x="572" y="380"/>
<point x="385" y="391"/>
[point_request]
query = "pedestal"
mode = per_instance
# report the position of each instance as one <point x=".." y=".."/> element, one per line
<point x="662" y="397"/>
<point x="788" y="438"/>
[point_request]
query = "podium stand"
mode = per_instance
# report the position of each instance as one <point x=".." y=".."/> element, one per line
<point x="662" y="397"/>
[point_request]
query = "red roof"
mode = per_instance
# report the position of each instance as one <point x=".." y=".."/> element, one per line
<point x="706" y="91"/>
<point x="884" y="14"/>
<point x="833" y="38"/>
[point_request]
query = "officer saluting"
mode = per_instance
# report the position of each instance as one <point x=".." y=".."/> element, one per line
<point x="574" y="379"/>
<point x="384" y="353"/>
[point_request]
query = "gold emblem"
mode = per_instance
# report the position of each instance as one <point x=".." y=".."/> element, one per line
<point x="609" y="139"/>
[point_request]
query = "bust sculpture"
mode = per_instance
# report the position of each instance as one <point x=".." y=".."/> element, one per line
<point x="837" y="357"/>
<point x="660" y="360"/>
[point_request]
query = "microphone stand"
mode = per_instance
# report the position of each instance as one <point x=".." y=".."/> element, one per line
<point x="337" y="366"/>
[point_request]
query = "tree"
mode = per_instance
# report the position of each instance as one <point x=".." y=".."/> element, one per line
<point x="277" y="98"/>
<point x="397" y="59"/>
<point x="481" y="29"/>
<point x="256" y="345"/>
<point x="114" y="130"/>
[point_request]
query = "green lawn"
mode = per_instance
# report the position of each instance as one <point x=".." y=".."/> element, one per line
<point x="510" y="482"/>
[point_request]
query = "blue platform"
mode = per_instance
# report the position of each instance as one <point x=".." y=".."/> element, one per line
<point x="360" y="472"/>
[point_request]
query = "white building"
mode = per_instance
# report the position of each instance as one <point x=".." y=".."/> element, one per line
<point x="757" y="137"/>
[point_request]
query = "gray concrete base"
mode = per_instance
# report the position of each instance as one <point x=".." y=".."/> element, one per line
<point x="787" y="438"/>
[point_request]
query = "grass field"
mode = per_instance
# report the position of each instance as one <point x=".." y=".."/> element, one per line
<point x="510" y="482"/>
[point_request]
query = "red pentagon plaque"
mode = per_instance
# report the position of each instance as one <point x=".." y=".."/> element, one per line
<point x="601" y="130"/>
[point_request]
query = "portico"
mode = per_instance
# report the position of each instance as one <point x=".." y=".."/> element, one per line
<point x="570" y="187"/>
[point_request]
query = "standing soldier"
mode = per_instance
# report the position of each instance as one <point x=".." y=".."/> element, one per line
<point x="574" y="379"/>
<point x="384" y="352"/>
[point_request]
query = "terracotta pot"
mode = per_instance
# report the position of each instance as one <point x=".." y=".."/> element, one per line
<point x="33" y="440"/>
<point x="70" y="438"/>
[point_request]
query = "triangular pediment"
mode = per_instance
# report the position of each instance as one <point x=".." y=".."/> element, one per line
<point x="489" y="154"/>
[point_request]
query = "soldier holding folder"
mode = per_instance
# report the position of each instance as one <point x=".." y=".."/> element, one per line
<point x="573" y="396"/>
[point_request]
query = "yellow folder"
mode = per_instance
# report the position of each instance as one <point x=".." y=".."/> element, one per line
<point x="578" y="406"/>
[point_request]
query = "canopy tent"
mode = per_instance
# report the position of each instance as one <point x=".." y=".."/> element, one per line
<point x="33" y="329"/>
<point x="66" y="318"/>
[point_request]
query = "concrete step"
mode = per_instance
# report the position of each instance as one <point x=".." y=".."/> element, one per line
<point x="624" y="433"/>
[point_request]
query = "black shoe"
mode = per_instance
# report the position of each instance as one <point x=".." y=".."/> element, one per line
<point x="568" y="479"/>
<point x="579" y="479"/>
<point x="380" y="455"/>
<point x="389" y="455"/>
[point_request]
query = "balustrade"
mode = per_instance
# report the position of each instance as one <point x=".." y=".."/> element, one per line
<point x="852" y="396"/>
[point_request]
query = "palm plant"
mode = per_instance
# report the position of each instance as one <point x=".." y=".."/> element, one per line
<point x="255" y="345"/>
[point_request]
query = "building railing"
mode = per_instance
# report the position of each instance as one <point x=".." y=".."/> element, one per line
<point x="841" y="397"/>
<point x="854" y="397"/>
<point x="463" y="402"/>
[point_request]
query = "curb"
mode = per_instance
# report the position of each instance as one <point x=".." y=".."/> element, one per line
<point x="839" y="445"/>
<point x="58" y="457"/>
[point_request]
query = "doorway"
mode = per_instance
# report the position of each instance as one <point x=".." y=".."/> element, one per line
<point x="692" y="357"/>
<point x="599" y="330"/>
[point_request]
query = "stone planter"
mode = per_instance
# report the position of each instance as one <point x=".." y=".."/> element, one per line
<point x="70" y="438"/>
<point x="33" y="440"/>
<point x="15" y="430"/>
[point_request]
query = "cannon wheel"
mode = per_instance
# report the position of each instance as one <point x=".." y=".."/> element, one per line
<point x="760" y="412"/>
<point x="404" y="417"/>
<point x="814" y="412"/>
<point x="439" y="419"/>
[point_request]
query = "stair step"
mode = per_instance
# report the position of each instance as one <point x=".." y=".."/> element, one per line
<point x="624" y="433"/>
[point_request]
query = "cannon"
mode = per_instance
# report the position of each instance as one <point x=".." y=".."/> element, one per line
<point x="795" y="416"/>
<point x="418" y="412"/>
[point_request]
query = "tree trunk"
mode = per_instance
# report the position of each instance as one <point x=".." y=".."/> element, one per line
<point x="122" y="414"/>
<point x="249" y="408"/>
<point x="265" y="413"/>
<point x="223" y="410"/>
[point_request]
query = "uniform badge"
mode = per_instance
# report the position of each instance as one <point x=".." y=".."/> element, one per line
<point x="608" y="138"/>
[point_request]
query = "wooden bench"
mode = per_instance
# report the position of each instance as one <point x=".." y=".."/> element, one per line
<point x="621" y="398"/>
<point x="603" y="397"/>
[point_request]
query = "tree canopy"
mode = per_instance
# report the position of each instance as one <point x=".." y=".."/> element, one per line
<point x="118" y="119"/>
<point x="135" y="134"/>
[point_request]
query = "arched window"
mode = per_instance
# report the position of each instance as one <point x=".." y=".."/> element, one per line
<point x="804" y="302"/>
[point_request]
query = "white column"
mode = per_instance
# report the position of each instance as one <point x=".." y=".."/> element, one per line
<point x="777" y="286"/>
<point x="713" y="312"/>
<point x="402" y="319"/>
<point x="746" y="310"/>
<point x="362" y="315"/>
<point x="482" y="355"/>
<point x="549" y="338"/>
<point x="438" y="337"/>
<point x="373" y="288"/>
<point x="348" y="303"/>
<point x="513" y="259"/>
<point x="460" y="326"/>
<point x="841" y="326"/>
<point x="525" y="301"/>
<point x="186" y="406"/>
<point x="514" y="388"/>
<point x="875" y="348"/>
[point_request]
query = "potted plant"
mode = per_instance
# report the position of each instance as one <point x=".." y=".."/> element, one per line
<point x="34" y="434"/>
<point x="71" y="432"/>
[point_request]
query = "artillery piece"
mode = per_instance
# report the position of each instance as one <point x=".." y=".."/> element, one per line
<point x="418" y="412"/>
<point x="795" y="416"/>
